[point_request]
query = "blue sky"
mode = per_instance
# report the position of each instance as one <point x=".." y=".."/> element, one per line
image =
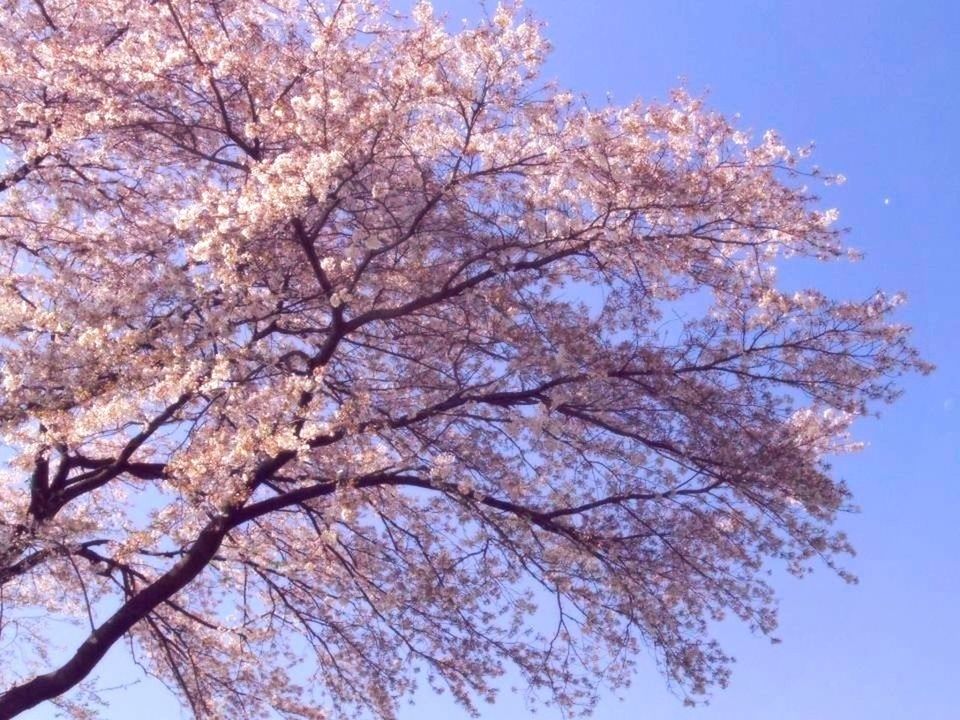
<point x="875" y="86"/>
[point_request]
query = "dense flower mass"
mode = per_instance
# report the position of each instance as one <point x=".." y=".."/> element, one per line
<point x="339" y="354"/>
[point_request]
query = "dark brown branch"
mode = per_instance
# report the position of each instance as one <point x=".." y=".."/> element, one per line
<point x="22" y="697"/>
<point x="20" y="173"/>
<point x="121" y="464"/>
<point x="46" y="16"/>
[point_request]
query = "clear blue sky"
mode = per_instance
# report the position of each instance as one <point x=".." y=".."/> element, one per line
<point x="875" y="84"/>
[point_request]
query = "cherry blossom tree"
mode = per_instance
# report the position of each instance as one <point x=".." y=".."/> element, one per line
<point x="342" y="355"/>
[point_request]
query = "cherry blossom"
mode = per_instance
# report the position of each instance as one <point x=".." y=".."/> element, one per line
<point x="339" y="358"/>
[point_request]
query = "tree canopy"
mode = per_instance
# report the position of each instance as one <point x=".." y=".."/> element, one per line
<point x="339" y="352"/>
